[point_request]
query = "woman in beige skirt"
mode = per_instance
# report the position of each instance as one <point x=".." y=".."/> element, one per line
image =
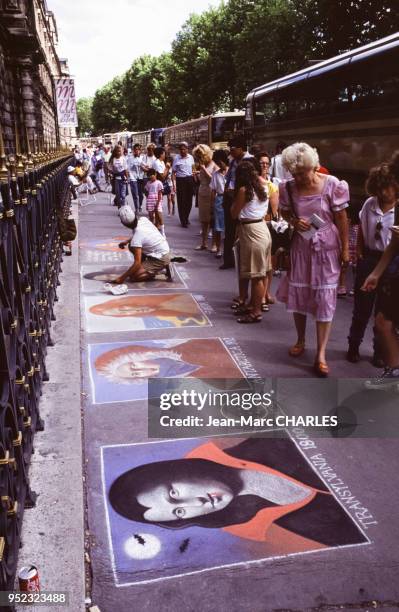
<point x="203" y="158"/>
<point x="250" y="207"/>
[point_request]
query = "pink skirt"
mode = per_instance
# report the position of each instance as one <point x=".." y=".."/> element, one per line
<point x="310" y="286"/>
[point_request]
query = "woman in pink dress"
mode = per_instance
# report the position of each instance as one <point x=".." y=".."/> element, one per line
<point x="315" y="205"/>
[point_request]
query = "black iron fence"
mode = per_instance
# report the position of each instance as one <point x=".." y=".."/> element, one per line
<point x="33" y="191"/>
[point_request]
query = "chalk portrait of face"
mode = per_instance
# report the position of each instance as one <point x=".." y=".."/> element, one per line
<point x="214" y="488"/>
<point x="93" y="278"/>
<point x="105" y="245"/>
<point x="119" y="370"/>
<point x="136" y="312"/>
<point x="196" y="505"/>
<point x="181" y="305"/>
<point x="129" y="366"/>
<point x="204" y="358"/>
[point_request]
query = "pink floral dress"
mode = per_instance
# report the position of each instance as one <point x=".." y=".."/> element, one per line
<point x="311" y="284"/>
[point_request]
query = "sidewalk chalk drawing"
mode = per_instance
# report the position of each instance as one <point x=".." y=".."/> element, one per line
<point x="94" y="277"/>
<point x="104" y="251"/>
<point x="142" y="312"/>
<point x="90" y="256"/>
<point x="119" y="370"/>
<point x="180" y="507"/>
<point x="104" y="244"/>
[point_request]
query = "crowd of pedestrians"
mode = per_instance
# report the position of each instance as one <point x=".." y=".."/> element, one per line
<point x="276" y="212"/>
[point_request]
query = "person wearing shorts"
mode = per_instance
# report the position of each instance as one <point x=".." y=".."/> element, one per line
<point x="148" y="246"/>
<point x="154" y="192"/>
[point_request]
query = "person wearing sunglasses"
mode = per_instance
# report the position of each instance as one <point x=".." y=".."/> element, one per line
<point x="376" y="219"/>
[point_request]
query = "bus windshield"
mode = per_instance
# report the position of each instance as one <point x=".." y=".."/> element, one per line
<point x="224" y="128"/>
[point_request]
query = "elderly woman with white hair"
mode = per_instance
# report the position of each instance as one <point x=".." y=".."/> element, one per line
<point x="315" y="205"/>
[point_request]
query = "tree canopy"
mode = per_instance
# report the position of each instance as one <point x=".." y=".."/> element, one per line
<point x="85" y="121"/>
<point x="219" y="56"/>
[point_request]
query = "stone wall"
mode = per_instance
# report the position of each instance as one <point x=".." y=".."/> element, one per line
<point x="28" y="63"/>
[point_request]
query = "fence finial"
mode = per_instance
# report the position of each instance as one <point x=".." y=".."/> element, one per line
<point x="3" y="159"/>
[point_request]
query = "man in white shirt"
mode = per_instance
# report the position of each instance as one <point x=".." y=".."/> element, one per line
<point x="277" y="170"/>
<point x="136" y="173"/>
<point x="150" y="249"/>
<point x="182" y="178"/>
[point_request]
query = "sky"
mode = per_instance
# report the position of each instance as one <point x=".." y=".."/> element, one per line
<point x="101" y="38"/>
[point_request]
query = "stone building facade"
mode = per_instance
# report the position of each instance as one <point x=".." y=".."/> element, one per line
<point x="28" y="64"/>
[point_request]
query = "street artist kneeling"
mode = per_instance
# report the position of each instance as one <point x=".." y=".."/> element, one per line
<point x="150" y="249"/>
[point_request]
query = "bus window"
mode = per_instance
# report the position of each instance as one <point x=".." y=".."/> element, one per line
<point x="266" y="109"/>
<point x="224" y="128"/>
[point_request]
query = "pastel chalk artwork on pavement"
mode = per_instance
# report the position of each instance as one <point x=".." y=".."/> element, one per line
<point x="104" y="251"/>
<point x="180" y="507"/>
<point x="119" y="370"/>
<point x="105" y="244"/>
<point x="142" y="312"/>
<point x="94" y="277"/>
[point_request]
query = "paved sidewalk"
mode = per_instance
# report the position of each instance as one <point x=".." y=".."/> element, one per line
<point x="210" y="570"/>
<point x="53" y="531"/>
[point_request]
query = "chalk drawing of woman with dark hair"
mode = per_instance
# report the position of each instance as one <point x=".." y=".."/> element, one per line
<point x="257" y="489"/>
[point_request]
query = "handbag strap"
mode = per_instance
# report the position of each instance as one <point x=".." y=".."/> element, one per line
<point x="288" y="187"/>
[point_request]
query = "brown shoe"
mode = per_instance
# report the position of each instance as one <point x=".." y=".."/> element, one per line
<point x="297" y="350"/>
<point x="321" y="369"/>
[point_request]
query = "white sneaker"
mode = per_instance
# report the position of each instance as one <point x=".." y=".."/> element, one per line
<point x="116" y="289"/>
<point x="388" y="379"/>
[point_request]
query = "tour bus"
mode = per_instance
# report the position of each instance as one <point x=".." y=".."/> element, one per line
<point x="111" y="140"/>
<point x="347" y="107"/>
<point x="157" y="136"/>
<point x="141" y="138"/>
<point x="144" y="138"/>
<point x="88" y="141"/>
<point x="213" y="130"/>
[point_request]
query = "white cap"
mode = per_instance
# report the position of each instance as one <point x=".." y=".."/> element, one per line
<point x="71" y="169"/>
<point x="127" y="215"/>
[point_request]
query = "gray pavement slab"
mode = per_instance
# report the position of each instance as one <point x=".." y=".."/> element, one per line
<point x="363" y="470"/>
<point x="53" y="531"/>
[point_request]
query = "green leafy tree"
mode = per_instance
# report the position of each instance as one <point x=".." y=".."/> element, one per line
<point x="271" y="38"/>
<point x="342" y="25"/>
<point x="219" y="56"/>
<point x="84" y="110"/>
<point x="109" y="108"/>
<point x="202" y="74"/>
<point x="144" y="94"/>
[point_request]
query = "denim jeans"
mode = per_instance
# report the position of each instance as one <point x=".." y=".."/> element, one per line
<point x="136" y="187"/>
<point x="120" y="192"/>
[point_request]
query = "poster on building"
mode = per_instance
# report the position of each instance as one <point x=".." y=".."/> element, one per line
<point x="66" y="102"/>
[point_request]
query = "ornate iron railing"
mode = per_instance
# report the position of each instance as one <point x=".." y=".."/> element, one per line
<point x="33" y="189"/>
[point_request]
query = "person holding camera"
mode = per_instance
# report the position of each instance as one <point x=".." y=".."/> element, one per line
<point x="314" y="204"/>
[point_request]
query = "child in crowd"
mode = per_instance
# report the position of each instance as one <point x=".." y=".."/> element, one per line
<point x="170" y="194"/>
<point x="385" y="279"/>
<point x="154" y="192"/>
<point x="376" y="220"/>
